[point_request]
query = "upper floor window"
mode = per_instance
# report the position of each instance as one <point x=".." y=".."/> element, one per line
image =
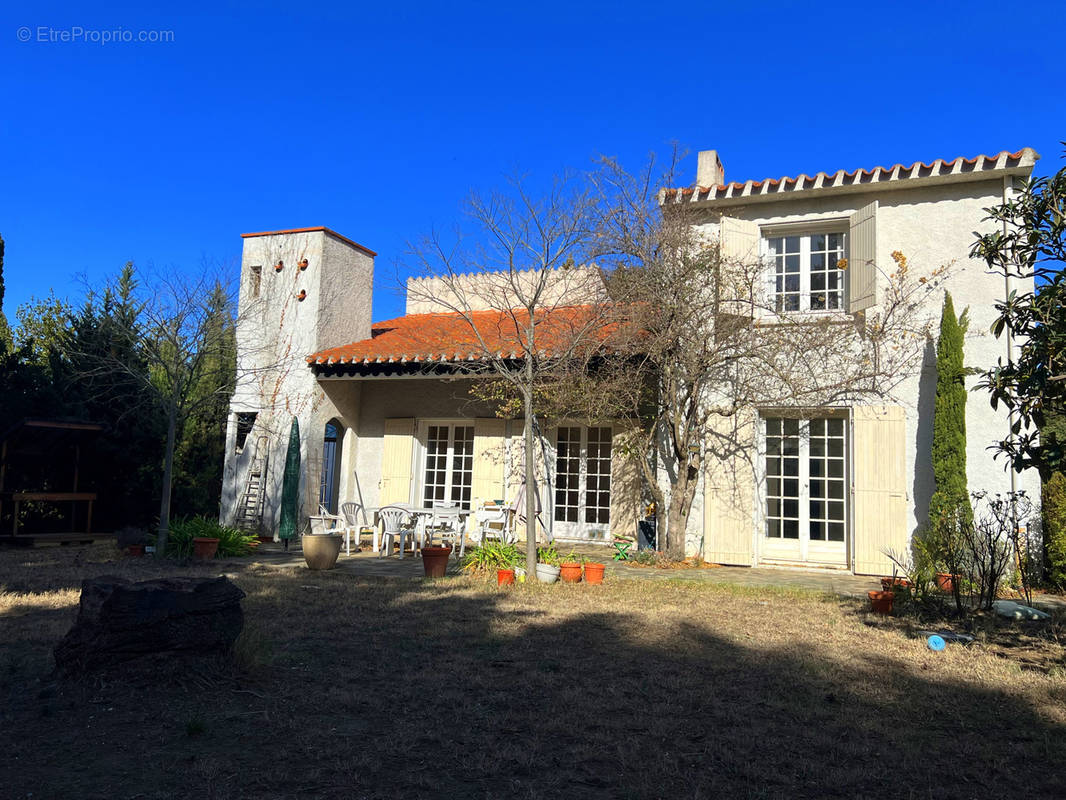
<point x="807" y="276"/>
<point x="255" y="278"/>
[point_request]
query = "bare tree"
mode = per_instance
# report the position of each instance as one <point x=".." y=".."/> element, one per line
<point x="175" y="346"/>
<point x="702" y="342"/>
<point x="517" y="277"/>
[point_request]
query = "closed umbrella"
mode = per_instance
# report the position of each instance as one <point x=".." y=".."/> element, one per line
<point x="290" y="486"/>
<point x="518" y="505"/>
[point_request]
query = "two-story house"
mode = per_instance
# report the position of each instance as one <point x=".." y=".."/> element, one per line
<point x="387" y="417"/>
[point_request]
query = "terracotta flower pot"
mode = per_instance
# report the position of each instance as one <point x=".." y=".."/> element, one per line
<point x="435" y="560"/>
<point x="881" y="602"/>
<point x="136" y="550"/>
<point x="945" y="582"/>
<point x="321" y="550"/>
<point x="890" y="583"/>
<point x="594" y="572"/>
<point x="204" y="548"/>
<point x="505" y="577"/>
<point x="570" y="573"/>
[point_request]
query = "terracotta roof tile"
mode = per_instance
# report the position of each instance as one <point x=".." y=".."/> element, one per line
<point x="453" y="337"/>
<point x="938" y="168"/>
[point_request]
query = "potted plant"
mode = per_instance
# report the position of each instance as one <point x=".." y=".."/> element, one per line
<point x="435" y="560"/>
<point x="945" y="582"/>
<point x="132" y="540"/>
<point x="881" y="602"/>
<point x="547" y="565"/>
<point x="204" y="548"/>
<point x="594" y="571"/>
<point x="570" y="568"/>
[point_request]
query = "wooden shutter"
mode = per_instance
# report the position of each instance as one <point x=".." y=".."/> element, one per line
<point x="396" y="461"/>
<point x="729" y="489"/>
<point x="739" y="239"/>
<point x="879" y="486"/>
<point x="862" y="258"/>
<point x="490" y="460"/>
<point x="625" y="485"/>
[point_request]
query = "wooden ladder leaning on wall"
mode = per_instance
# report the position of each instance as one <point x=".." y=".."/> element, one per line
<point x="250" y="508"/>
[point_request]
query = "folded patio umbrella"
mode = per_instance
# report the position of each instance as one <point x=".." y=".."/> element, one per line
<point x="290" y="486"/>
<point x="518" y="505"/>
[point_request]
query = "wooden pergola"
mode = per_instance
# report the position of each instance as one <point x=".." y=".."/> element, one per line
<point x="37" y="458"/>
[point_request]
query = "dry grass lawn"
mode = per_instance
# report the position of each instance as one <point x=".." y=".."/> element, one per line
<point x="346" y="688"/>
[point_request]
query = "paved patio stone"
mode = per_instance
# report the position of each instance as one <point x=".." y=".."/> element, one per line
<point x="835" y="582"/>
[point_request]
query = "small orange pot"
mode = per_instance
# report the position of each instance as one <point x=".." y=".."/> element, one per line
<point x="204" y="548"/>
<point x="888" y="584"/>
<point x="881" y="602"/>
<point x="505" y="577"/>
<point x="570" y="573"/>
<point x="945" y="582"/>
<point x="594" y="572"/>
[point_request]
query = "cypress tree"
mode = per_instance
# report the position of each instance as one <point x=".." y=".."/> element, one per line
<point x="5" y="330"/>
<point x="949" y="422"/>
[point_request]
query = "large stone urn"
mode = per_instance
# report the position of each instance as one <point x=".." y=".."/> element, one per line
<point x="321" y="549"/>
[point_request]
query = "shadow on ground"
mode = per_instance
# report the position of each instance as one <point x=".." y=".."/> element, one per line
<point x="370" y="688"/>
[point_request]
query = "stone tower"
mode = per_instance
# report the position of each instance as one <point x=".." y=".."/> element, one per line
<point x="301" y="291"/>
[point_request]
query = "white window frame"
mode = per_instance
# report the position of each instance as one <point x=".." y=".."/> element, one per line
<point x="422" y="443"/>
<point x="579" y="529"/>
<point x="804" y="230"/>
<point x="806" y="550"/>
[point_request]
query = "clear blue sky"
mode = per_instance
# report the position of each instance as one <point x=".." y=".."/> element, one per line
<point x="377" y="121"/>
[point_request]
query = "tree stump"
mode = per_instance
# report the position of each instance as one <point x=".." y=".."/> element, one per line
<point x="119" y="620"/>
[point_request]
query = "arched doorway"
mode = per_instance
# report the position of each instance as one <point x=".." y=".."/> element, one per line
<point x="329" y="489"/>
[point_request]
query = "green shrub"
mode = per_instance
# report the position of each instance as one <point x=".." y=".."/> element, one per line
<point x="231" y="542"/>
<point x="1054" y="510"/>
<point x="493" y="555"/>
<point x="548" y="555"/>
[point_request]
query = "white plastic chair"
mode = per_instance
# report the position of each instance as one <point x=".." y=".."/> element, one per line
<point x="395" y="522"/>
<point x="493" y="521"/>
<point x="351" y="525"/>
<point x="447" y="521"/>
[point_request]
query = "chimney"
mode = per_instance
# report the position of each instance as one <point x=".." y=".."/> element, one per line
<point x="709" y="170"/>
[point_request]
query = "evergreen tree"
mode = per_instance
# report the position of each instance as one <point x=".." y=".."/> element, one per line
<point x="5" y="330"/>
<point x="951" y="500"/>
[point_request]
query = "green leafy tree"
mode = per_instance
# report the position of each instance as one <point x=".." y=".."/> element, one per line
<point x="1054" y="513"/>
<point x="951" y="500"/>
<point x="1030" y="243"/>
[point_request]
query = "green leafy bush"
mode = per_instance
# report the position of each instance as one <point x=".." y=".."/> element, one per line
<point x="548" y="555"/>
<point x="572" y="558"/>
<point x="1054" y="510"/>
<point x="491" y="556"/>
<point x="231" y="542"/>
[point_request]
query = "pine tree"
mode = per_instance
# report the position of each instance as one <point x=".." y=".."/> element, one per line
<point x="951" y="500"/>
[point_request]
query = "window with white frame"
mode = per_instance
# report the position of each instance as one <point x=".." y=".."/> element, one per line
<point x="806" y="482"/>
<point x="807" y="274"/>
<point x="449" y="470"/>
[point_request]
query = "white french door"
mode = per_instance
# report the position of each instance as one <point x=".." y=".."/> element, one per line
<point x="582" y="497"/>
<point x="447" y="475"/>
<point x="805" y="505"/>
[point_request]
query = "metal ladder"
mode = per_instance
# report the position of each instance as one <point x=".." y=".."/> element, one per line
<point x="250" y="509"/>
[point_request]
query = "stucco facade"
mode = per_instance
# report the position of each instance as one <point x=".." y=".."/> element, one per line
<point x="387" y="415"/>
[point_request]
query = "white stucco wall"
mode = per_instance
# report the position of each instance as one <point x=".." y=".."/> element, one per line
<point x="276" y="331"/>
<point x="933" y="226"/>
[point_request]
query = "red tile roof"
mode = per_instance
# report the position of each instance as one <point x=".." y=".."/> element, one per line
<point x="454" y="337"/>
<point x="1019" y="160"/>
